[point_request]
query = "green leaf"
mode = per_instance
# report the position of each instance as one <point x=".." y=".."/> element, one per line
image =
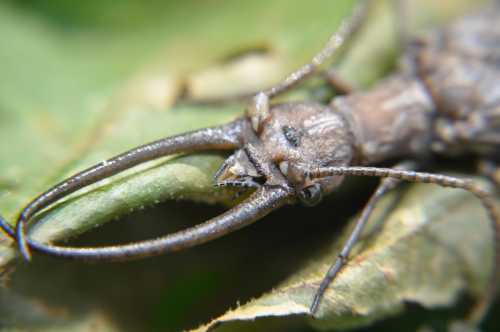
<point x="92" y="92"/>
<point x="83" y="82"/>
<point x="427" y="249"/>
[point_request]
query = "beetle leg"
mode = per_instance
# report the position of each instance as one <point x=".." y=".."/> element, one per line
<point x="486" y="199"/>
<point x="224" y="137"/>
<point x="260" y="203"/>
<point x="385" y="185"/>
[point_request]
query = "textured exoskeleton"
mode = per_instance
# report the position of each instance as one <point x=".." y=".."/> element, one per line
<point x="445" y="99"/>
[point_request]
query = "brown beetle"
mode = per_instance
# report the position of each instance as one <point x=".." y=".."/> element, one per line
<point x="445" y="100"/>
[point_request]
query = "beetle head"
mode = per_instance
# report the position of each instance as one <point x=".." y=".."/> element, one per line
<point x="304" y="136"/>
<point x="296" y="137"/>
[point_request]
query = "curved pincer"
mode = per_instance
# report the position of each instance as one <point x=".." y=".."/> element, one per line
<point x="263" y="201"/>
<point x="225" y="137"/>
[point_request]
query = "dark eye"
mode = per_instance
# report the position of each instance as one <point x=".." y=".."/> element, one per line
<point x="311" y="195"/>
<point x="292" y="135"/>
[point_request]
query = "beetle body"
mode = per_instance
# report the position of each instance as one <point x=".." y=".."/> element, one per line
<point x="430" y="106"/>
<point x="445" y="99"/>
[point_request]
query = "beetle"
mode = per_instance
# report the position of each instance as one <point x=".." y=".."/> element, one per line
<point x="444" y="101"/>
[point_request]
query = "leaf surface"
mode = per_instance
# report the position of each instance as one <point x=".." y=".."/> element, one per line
<point x="76" y="91"/>
<point x="424" y="245"/>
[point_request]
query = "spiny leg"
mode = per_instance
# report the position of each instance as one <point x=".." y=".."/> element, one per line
<point x="260" y="203"/>
<point x="259" y="107"/>
<point x="223" y="137"/>
<point x="487" y="200"/>
<point x="385" y="185"/>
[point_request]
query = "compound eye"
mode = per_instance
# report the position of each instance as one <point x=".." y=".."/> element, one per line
<point x="311" y="195"/>
<point x="292" y="135"/>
